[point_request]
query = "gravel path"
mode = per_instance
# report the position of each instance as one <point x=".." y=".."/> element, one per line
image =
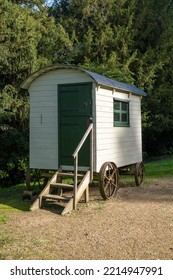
<point x="136" y="224"/>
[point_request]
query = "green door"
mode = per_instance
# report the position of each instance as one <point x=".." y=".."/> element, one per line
<point x="75" y="110"/>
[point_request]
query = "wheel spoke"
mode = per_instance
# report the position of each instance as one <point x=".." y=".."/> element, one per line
<point x="108" y="180"/>
<point x="139" y="173"/>
<point x="114" y="185"/>
<point x="110" y="190"/>
<point x="112" y="175"/>
<point x="107" y="185"/>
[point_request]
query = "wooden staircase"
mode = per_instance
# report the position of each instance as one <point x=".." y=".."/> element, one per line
<point x="58" y="191"/>
<point x="79" y="187"/>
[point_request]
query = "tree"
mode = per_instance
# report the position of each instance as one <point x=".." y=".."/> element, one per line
<point x="155" y="46"/>
<point x="101" y="32"/>
<point x="128" y="40"/>
<point x="29" y="40"/>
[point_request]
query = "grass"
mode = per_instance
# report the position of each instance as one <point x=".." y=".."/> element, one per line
<point x="11" y="198"/>
<point x="11" y="201"/>
<point x="154" y="169"/>
<point x="159" y="168"/>
<point x="99" y="205"/>
<point x="3" y="219"/>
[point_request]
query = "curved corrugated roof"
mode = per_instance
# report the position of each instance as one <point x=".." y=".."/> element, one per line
<point x="99" y="79"/>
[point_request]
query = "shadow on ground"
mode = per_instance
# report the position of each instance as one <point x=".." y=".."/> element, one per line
<point x="160" y="190"/>
<point x="157" y="191"/>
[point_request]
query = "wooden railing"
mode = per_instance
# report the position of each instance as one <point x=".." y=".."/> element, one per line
<point x="75" y="156"/>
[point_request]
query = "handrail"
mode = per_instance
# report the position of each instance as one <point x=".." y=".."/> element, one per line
<point x="83" y="140"/>
<point x="75" y="156"/>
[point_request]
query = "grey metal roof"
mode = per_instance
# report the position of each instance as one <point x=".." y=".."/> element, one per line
<point x="102" y="80"/>
<point x="99" y="79"/>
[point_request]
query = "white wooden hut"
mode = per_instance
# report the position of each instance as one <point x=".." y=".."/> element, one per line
<point x="64" y="100"/>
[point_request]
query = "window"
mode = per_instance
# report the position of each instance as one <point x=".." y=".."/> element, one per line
<point x="121" y="113"/>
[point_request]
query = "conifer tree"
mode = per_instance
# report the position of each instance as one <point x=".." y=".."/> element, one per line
<point x="29" y="40"/>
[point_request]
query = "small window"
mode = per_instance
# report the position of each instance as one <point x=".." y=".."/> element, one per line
<point x="121" y="113"/>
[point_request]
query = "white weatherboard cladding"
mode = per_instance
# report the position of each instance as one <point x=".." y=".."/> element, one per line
<point x="44" y="115"/>
<point x="122" y="145"/>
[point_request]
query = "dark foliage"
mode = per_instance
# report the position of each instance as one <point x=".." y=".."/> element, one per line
<point x="128" y="40"/>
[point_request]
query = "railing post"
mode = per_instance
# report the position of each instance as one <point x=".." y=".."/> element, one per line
<point x="75" y="182"/>
<point x="75" y="155"/>
<point x="91" y="154"/>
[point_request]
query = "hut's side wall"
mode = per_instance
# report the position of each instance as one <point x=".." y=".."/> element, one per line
<point x="44" y="115"/>
<point x="121" y="145"/>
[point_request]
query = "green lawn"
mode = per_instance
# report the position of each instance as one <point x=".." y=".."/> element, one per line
<point x="11" y="198"/>
<point x="159" y="168"/>
<point x="154" y="169"/>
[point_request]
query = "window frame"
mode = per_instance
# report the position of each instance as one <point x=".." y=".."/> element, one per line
<point x="121" y="112"/>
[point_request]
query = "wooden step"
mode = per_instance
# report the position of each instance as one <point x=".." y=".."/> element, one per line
<point x="61" y="185"/>
<point x="45" y="194"/>
<point x="68" y="175"/>
<point x="81" y="189"/>
<point x="56" y="197"/>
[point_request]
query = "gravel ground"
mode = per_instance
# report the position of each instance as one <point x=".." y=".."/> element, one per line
<point x="136" y="224"/>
